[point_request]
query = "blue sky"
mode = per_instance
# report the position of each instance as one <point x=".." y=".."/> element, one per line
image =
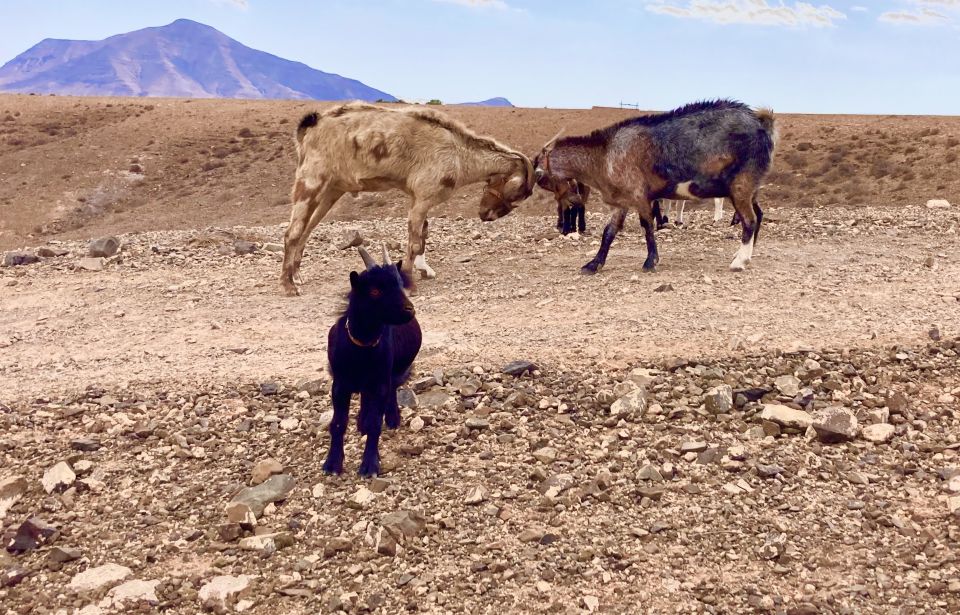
<point x="835" y="56"/>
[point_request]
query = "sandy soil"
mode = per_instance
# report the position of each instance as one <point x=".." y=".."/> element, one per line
<point x="643" y="466"/>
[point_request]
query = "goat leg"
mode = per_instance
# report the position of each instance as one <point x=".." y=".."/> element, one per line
<point x="371" y="409"/>
<point x="609" y="234"/>
<point x="338" y="427"/>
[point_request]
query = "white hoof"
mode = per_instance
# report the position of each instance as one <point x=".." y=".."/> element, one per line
<point x="427" y="274"/>
<point x="736" y="265"/>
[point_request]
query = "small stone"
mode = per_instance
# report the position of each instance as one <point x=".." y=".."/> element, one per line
<point x="898" y="403"/>
<point x="350" y="238"/>
<point x="59" y="478"/>
<point x="773" y="546"/>
<point x="835" y="424"/>
<point x="11" y="490"/>
<point x="938" y="204"/>
<point x="633" y="404"/>
<point x="404" y="524"/>
<point x="416" y="424"/>
<point x="51" y="252"/>
<point x="240" y="512"/>
<point x="934" y="334"/>
<point x="91" y="264"/>
<point x="361" y="498"/>
<point x="652" y="493"/>
<point x="32" y="534"/>
<point x="518" y="368"/>
<point x="274" y="489"/>
<point x="103" y="247"/>
<point x="241" y="247"/>
<point x="219" y="589"/>
<point x="268" y="389"/>
<point x="651" y="473"/>
<point x="101" y="576"/>
<point x="543" y="587"/>
<point x="406" y="398"/>
<point x="592" y="603"/>
<point x="547" y="454"/>
<point x="13" y="576"/>
<point x="87" y="445"/>
<point x="265" y="469"/>
<point x="786" y="416"/>
<point x="289" y="424"/>
<point x="267" y="542"/>
<point x="953" y="505"/>
<point x="476" y="495"/>
<point x="788" y="385"/>
<point x="273" y="247"/>
<point x="477" y="423"/>
<point x="878" y="433"/>
<point x="663" y="288"/>
<point x="719" y="399"/>
<point x="433" y="399"/>
<point x="17" y="259"/>
<point x="693" y="447"/>
<point x="135" y="591"/>
<point x="336" y="545"/>
<point x="769" y="470"/>
<point x="62" y="555"/>
<point x="384" y="543"/>
<point x="532" y="534"/>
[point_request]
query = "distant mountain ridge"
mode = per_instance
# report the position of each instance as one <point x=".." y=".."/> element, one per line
<point x="490" y="102"/>
<point x="181" y="59"/>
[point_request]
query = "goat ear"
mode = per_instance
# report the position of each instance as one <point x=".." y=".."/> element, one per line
<point x="354" y="279"/>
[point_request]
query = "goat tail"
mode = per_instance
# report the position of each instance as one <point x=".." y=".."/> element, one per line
<point x="769" y="123"/>
<point x="309" y="121"/>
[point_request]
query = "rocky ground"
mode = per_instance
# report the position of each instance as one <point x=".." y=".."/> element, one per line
<point x="782" y="440"/>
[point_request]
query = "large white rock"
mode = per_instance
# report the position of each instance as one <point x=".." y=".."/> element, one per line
<point x="938" y="204"/>
<point x="132" y="591"/>
<point x="220" y="588"/>
<point x="879" y="433"/>
<point x="786" y="416"/>
<point x="11" y="490"/>
<point x="58" y="478"/>
<point x="101" y="576"/>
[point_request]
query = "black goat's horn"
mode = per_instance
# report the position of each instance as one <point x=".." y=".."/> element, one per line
<point x="367" y="259"/>
<point x="386" y="254"/>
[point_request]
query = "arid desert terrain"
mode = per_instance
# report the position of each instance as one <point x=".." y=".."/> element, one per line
<point x="781" y="440"/>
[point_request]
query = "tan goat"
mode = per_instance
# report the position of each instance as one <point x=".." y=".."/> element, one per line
<point x="365" y="148"/>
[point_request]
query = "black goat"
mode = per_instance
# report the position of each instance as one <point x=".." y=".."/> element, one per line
<point x="371" y="349"/>
<point x="571" y="199"/>
<point x="702" y="150"/>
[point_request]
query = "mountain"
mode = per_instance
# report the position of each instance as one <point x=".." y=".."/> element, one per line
<point x="490" y="102"/>
<point x="182" y="59"/>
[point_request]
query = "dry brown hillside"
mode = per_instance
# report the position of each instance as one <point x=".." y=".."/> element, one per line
<point x="73" y="167"/>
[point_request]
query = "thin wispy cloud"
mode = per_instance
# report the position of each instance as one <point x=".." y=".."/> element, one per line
<point x="927" y="13"/>
<point x="478" y="4"/>
<point x="751" y="12"/>
<point x="237" y="4"/>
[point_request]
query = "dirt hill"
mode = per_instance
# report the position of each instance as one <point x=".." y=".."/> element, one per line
<point x="76" y="167"/>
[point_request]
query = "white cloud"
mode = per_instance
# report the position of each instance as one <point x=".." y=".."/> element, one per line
<point x="478" y="4"/>
<point x="752" y="12"/>
<point x="859" y="9"/>
<point x="238" y="4"/>
<point x="923" y="16"/>
<point x="927" y="13"/>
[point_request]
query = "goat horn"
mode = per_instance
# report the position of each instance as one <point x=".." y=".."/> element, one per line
<point x="550" y="143"/>
<point x="367" y="259"/>
<point x="386" y="254"/>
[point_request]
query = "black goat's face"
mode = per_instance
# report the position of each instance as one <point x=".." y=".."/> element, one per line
<point x="379" y="293"/>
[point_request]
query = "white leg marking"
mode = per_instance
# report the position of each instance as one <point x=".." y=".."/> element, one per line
<point x="683" y="205"/>
<point x="744" y="254"/>
<point x="420" y="264"/>
<point x="717" y="210"/>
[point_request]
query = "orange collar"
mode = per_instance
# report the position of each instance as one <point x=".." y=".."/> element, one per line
<point x="357" y="342"/>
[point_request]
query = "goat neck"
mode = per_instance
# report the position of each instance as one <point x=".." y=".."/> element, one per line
<point x="581" y="162"/>
<point x="363" y="332"/>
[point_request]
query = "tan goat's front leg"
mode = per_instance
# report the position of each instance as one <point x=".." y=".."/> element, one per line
<point x="417" y="242"/>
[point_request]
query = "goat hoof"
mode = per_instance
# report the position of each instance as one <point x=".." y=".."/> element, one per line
<point x="589" y="269"/>
<point x="290" y="289"/>
<point x="333" y="468"/>
<point x="370" y="469"/>
<point x="392" y="421"/>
